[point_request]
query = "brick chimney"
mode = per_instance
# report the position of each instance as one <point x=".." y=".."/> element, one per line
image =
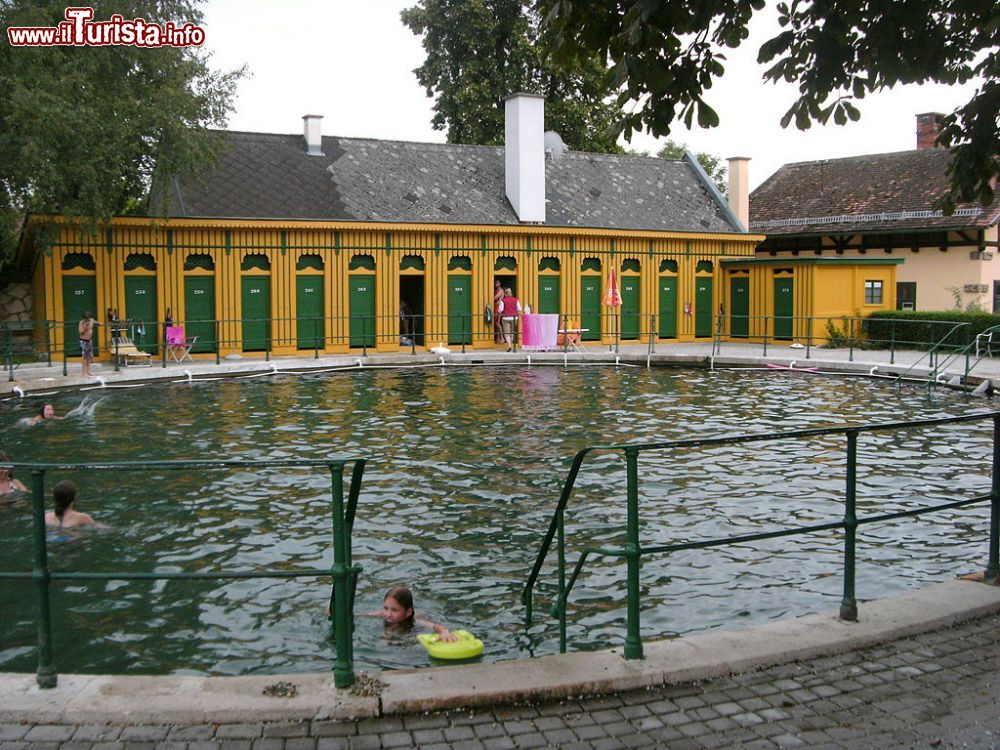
<point x="524" y="155"/>
<point x="928" y="127"/>
<point x="739" y="188"/>
<point x="312" y="133"/>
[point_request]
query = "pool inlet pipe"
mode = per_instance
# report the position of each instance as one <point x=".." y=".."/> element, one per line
<point x="19" y="391"/>
<point x="188" y="373"/>
<point x="873" y="370"/>
<point x="101" y="381"/>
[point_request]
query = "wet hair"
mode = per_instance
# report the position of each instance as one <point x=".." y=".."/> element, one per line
<point x="5" y="459"/>
<point x="404" y="597"/>
<point x="41" y="411"/>
<point x="64" y="494"/>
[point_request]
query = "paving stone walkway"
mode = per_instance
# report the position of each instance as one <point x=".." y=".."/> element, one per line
<point x="937" y="690"/>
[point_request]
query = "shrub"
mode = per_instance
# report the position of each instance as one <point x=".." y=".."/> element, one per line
<point x="922" y="330"/>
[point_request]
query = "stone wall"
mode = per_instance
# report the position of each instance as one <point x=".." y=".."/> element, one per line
<point x="15" y="303"/>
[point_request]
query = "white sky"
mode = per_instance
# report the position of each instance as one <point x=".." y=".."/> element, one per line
<point x="352" y="62"/>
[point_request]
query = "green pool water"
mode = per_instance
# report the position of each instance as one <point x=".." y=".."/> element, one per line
<point x="465" y="468"/>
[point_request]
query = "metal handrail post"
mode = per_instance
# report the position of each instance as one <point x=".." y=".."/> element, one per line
<point x="215" y="324"/>
<point x="561" y="563"/>
<point x="892" y="342"/>
<point x="315" y="338"/>
<point x="849" y="604"/>
<point x="48" y="344"/>
<point x="8" y="350"/>
<point x="765" y="335"/>
<point x="343" y="666"/>
<point x="633" y="641"/>
<point x="993" y="566"/>
<point x="465" y="329"/>
<point x="45" y="675"/>
<point x="850" y="340"/>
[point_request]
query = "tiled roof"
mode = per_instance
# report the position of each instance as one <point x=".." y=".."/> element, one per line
<point x="878" y="192"/>
<point x="264" y="176"/>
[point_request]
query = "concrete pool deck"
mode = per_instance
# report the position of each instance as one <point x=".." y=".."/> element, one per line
<point x="37" y="379"/>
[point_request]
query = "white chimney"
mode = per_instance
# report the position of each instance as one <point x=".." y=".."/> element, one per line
<point x="313" y="134"/>
<point x="739" y="188"/>
<point x="524" y="155"/>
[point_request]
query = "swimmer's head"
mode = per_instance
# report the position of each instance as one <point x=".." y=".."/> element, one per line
<point x="63" y="495"/>
<point x="47" y="411"/>
<point x="5" y="459"/>
<point x="397" y="606"/>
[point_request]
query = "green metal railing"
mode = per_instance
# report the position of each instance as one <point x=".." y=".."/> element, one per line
<point x="343" y="571"/>
<point x="634" y="549"/>
<point x="841" y="333"/>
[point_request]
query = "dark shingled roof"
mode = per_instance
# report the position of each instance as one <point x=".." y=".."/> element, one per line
<point x="878" y="192"/>
<point x="264" y="176"/>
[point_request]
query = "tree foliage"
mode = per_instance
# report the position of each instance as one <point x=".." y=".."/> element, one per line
<point x="82" y="129"/>
<point x="714" y="166"/>
<point x="665" y="56"/>
<point x="481" y="51"/>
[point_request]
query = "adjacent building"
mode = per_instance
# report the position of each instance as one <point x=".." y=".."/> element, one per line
<point x="880" y="207"/>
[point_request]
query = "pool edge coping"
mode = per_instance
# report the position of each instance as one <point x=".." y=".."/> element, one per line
<point x="184" y="700"/>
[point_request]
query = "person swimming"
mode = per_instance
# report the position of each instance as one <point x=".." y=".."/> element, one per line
<point x="398" y="614"/>
<point x="46" y="412"/>
<point x="65" y="515"/>
<point x="8" y="484"/>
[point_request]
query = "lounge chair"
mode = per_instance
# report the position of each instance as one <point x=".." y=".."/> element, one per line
<point x="125" y="352"/>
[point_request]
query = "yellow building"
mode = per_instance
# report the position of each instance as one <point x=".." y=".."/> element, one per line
<point x="796" y="298"/>
<point x="305" y="243"/>
<point x="302" y="242"/>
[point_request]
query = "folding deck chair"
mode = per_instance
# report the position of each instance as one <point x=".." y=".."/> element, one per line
<point x="179" y="347"/>
<point x="571" y="335"/>
<point x="125" y="352"/>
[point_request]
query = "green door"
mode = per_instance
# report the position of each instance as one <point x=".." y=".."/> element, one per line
<point x="590" y="308"/>
<point x="199" y="312"/>
<point x="361" y="304"/>
<point x="783" y="308"/>
<point x="668" y="307"/>
<point x="140" y="306"/>
<point x="459" y="308"/>
<point x="256" y="299"/>
<point x="548" y="296"/>
<point x="703" y="306"/>
<point x="630" y="308"/>
<point x="739" y="306"/>
<point x="310" y="324"/>
<point x="79" y="296"/>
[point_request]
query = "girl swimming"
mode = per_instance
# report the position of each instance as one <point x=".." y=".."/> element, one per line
<point x="397" y="612"/>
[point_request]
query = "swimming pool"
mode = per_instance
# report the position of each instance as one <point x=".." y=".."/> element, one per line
<point x="466" y="466"/>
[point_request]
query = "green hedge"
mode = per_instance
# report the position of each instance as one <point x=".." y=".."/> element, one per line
<point x="917" y="330"/>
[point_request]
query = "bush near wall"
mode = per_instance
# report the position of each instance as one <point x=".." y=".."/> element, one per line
<point x="920" y="330"/>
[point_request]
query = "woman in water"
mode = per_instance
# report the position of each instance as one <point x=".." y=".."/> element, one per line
<point x="65" y="515"/>
<point x="46" y="412"/>
<point x="9" y="485"/>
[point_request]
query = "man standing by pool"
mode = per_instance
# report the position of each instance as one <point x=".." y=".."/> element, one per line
<point x="86" y="331"/>
<point x="511" y="309"/>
